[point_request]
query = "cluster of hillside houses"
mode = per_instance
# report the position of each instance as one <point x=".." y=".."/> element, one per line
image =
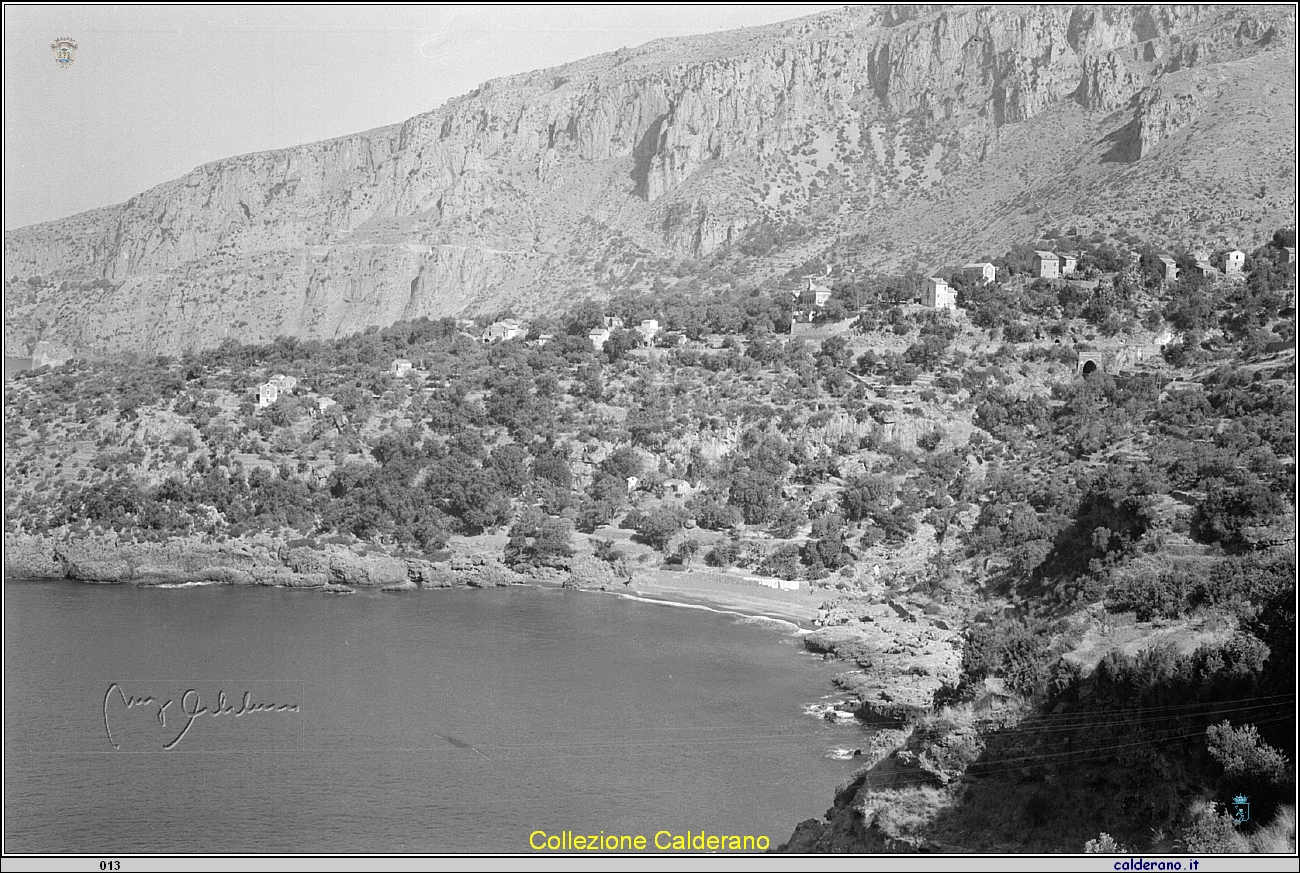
<point x="647" y="329"/>
<point x="939" y="295"/>
<point x="270" y="390"/>
<point x="509" y="329"/>
<point x="813" y="295"/>
<point x="280" y="385"/>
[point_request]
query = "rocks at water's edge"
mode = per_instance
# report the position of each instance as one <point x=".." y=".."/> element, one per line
<point x="267" y="561"/>
<point x="905" y="656"/>
<point x="263" y="561"/>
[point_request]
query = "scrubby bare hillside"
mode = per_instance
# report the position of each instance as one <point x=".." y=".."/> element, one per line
<point x="899" y="137"/>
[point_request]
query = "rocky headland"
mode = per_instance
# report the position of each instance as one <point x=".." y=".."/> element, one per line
<point x="903" y="655"/>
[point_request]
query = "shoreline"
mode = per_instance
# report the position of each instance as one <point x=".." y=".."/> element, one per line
<point x="269" y="561"/>
<point x="748" y="600"/>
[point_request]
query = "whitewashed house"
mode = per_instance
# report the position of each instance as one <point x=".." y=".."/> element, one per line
<point x="939" y="294"/>
<point x="648" y="329"/>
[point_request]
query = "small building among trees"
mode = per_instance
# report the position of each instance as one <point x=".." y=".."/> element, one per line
<point x="939" y="294"/>
<point x="267" y="393"/>
<point x="1047" y="265"/>
<point x="1207" y="270"/>
<point x="286" y="384"/>
<point x="814" y="295"/>
<point x="983" y="272"/>
<point x="272" y="389"/>
<point x="1169" y="268"/>
<point x="648" y="329"/>
<point x="501" y="331"/>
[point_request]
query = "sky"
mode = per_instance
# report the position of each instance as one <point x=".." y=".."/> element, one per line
<point x="153" y="92"/>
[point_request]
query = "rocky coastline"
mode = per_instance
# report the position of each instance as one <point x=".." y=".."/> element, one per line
<point x="270" y="562"/>
<point x="901" y="655"/>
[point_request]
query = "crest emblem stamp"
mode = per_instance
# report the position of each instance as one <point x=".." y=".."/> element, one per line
<point x="65" y="51"/>
<point x="1241" y="809"/>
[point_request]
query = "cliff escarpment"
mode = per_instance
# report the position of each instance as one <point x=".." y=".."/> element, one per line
<point x="901" y="133"/>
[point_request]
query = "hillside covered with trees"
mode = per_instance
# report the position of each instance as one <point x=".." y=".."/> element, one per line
<point x="1109" y="558"/>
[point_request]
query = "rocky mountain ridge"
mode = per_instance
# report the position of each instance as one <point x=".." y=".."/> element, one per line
<point x="895" y="137"/>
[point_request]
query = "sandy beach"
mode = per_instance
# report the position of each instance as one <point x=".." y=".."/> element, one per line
<point x="727" y="594"/>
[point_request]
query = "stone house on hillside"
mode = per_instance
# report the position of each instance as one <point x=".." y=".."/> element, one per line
<point x="1169" y="268"/>
<point x="678" y="488"/>
<point x="1208" y="270"/>
<point x="1234" y="262"/>
<point x="267" y="393"/>
<point x="501" y="331"/>
<point x="274" y="388"/>
<point x="939" y="294"/>
<point x="400" y="367"/>
<point x="1047" y="265"/>
<point x="598" y="336"/>
<point x="648" y="329"/>
<point x="286" y="384"/>
<point x="1068" y="264"/>
<point x="815" y="294"/>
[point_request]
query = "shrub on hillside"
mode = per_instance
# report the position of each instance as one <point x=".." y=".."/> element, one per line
<point x="1245" y="756"/>
<point x="724" y="554"/>
<point x="1165" y="595"/>
<point x="1213" y="833"/>
<point x="1104" y="845"/>
<point x="1010" y="648"/>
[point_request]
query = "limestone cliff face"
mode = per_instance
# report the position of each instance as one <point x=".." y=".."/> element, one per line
<point x="568" y="178"/>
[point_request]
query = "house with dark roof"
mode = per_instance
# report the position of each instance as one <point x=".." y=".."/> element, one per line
<point x="1047" y="265"/>
<point x="1208" y="270"/>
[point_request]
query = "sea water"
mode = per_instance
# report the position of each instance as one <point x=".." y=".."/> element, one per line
<point x="212" y="719"/>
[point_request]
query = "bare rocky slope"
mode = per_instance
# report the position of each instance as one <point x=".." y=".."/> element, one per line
<point x="904" y="137"/>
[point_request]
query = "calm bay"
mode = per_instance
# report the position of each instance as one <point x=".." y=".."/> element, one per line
<point x="423" y="721"/>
